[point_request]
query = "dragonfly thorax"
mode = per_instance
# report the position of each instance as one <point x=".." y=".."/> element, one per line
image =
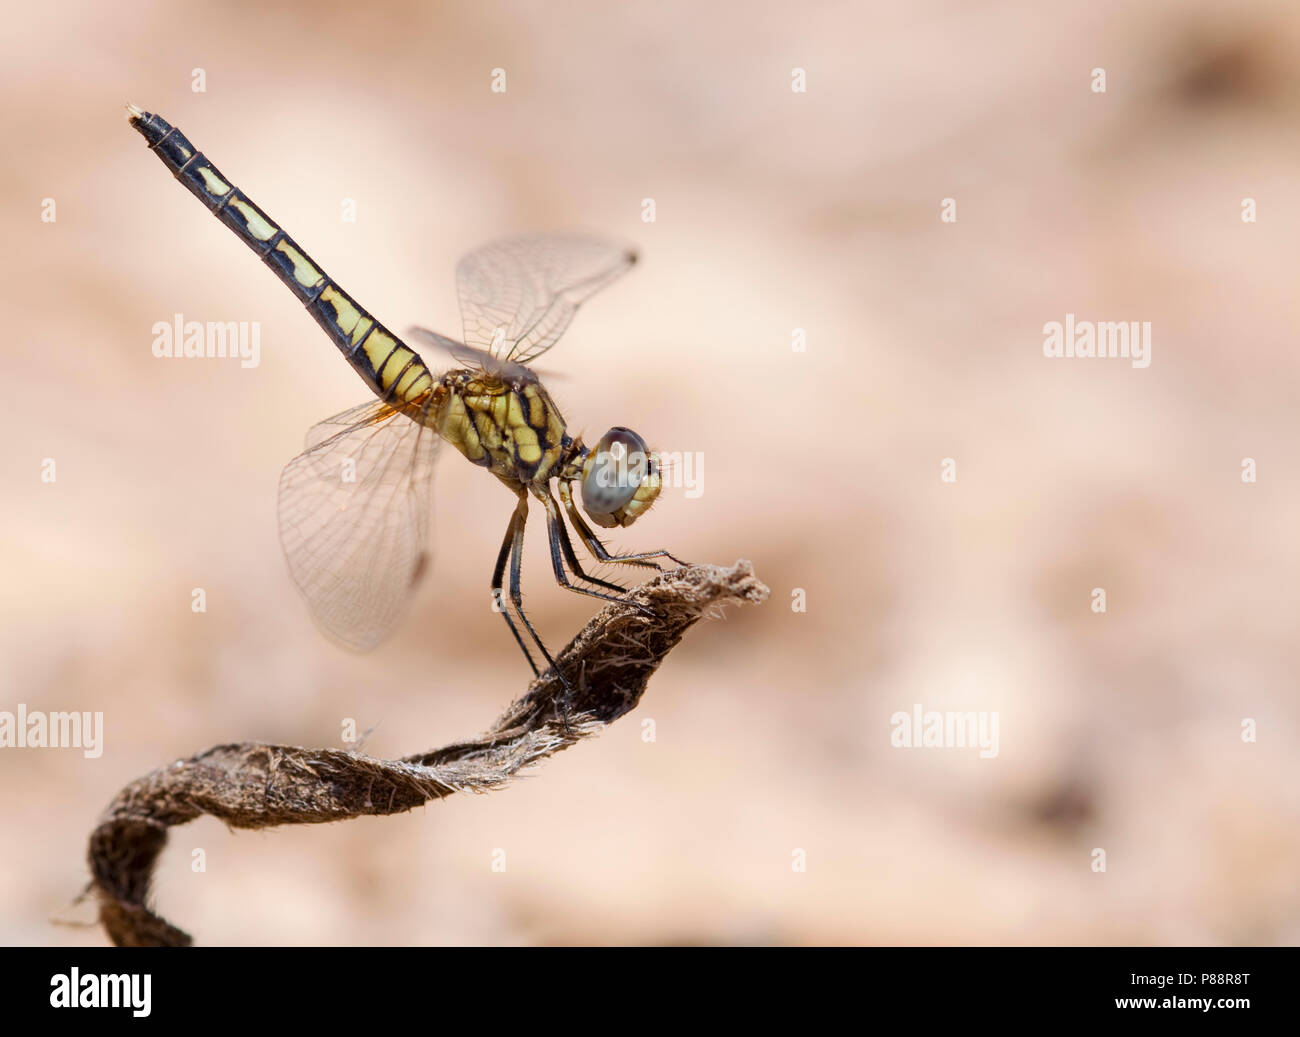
<point x="510" y="426"/>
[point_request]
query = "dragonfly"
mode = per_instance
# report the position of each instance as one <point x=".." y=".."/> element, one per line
<point x="353" y="507"/>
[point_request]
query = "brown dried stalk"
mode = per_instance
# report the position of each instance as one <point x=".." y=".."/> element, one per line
<point x="253" y="785"/>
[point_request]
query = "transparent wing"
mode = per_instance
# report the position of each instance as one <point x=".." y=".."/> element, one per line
<point x="354" y="514"/>
<point x="518" y="295"/>
<point x="468" y="356"/>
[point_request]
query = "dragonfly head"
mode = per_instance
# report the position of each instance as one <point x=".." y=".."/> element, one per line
<point x="620" y="479"/>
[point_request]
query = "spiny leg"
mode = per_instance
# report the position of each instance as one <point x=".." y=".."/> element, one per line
<point x="599" y="550"/>
<point x="562" y="551"/>
<point x="516" y="594"/>
<point x="517" y="598"/>
<point x="498" y="597"/>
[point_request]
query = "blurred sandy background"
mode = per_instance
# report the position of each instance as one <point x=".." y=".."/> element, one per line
<point x="775" y="211"/>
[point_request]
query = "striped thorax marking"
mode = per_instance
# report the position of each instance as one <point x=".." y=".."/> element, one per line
<point x="511" y="427"/>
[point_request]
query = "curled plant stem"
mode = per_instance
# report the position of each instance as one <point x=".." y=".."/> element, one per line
<point x="254" y="785"/>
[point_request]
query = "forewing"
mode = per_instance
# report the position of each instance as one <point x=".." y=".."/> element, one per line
<point x="517" y="295"/>
<point x="354" y="514"/>
<point x="467" y="356"/>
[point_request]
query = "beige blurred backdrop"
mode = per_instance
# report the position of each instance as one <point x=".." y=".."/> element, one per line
<point x="776" y="211"/>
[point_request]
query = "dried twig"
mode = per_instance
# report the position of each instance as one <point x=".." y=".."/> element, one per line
<point x="252" y="785"/>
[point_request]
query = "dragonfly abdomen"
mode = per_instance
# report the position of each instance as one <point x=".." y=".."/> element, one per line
<point x="391" y="368"/>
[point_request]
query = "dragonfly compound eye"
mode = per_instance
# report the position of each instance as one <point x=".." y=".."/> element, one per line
<point x="619" y="479"/>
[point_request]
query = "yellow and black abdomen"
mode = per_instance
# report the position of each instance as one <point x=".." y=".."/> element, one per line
<point x="391" y="368"/>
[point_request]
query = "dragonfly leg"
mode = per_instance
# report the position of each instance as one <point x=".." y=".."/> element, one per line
<point x="516" y="539"/>
<point x="599" y="550"/>
<point x="562" y="551"/>
<point x="498" y="579"/>
<point x="516" y="594"/>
